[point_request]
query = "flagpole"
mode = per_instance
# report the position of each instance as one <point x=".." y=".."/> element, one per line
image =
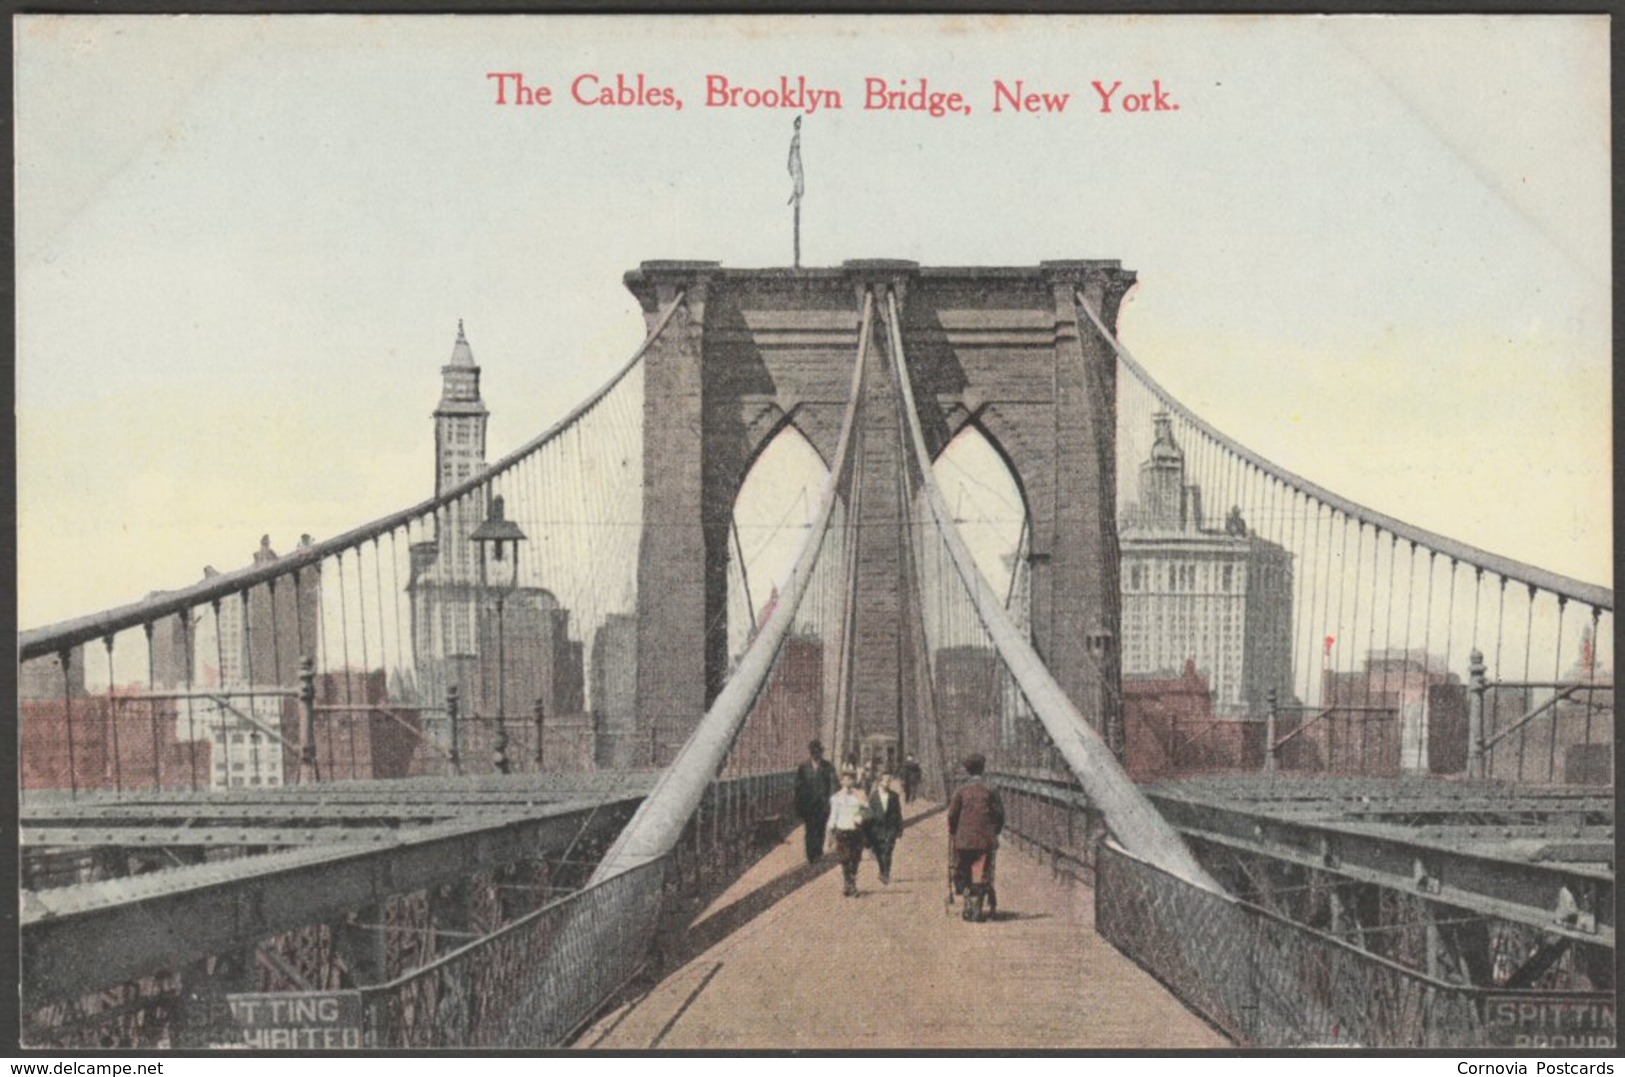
<point x="797" y="183"/>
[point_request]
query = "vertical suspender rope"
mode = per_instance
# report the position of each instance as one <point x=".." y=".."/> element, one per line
<point x="153" y="709"/>
<point x="1371" y="628"/>
<point x="1311" y="649"/>
<point x="1450" y="620"/>
<point x="344" y="651"/>
<point x="222" y="765"/>
<point x="1388" y="615"/>
<point x="1500" y="628"/>
<point x="402" y="631"/>
<point x="378" y="612"/>
<point x="1589" y="670"/>
<point x="1528" y="643"/>
<point x="190" y="660"/>
<point x="324" y="664"/>
<point x="1557" y="676"/>
<point x="113" y="712"/>
<point x="66" y="659"/>
<point x="248" y="680"/>
<point x="276" y="676"/>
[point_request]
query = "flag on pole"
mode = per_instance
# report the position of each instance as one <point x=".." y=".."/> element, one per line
<point x="797" y="180"/>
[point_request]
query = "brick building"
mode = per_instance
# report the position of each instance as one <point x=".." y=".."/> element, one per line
<point x="1170" y="729"/>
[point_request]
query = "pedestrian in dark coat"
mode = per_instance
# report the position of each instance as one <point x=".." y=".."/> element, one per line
<point x="975" y="818"/>
<point x="815" y="784"/>
<point x="911" y="778"/>
<point x="885" y="822"/>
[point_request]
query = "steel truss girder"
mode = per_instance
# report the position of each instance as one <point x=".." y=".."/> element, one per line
<point x="77" y="939"/>
<point x="216" y="835"/>
<point x="1412" y="799"/>
<point x="1483" y="880"/>
<point x="295" y="815"/>
<point x="439" y="795"/>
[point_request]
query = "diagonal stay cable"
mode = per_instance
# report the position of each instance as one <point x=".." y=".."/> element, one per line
<point x="658" y="823"/>
<point x="1130" y="817"/>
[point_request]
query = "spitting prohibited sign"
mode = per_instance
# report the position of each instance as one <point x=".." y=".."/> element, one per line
<point x="1558" y="1021"/>
<point x="297" y="1021"/>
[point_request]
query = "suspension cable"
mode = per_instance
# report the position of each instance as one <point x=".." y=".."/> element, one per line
<point x="39" y="642"/>
<point x="1589" y="593"/>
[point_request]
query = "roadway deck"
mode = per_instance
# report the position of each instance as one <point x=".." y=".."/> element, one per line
<point x="892" y="969"/>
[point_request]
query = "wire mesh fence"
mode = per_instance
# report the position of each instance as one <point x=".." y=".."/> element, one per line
<point x="1269" y="982"/>
<point x="515" y="955"/>
<point x="1051" y="820"/>
<point x="537" y="981"/>
<point x="531" y="983"/>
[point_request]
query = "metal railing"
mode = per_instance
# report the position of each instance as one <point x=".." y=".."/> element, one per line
<point x="1550" y="732"/>
<point x="532" y="973"/>
<point x="537" y="981"/>
<point x="1269" y="982"/>
<point x="1051" y="818"/>
<point x="532" y="983"/>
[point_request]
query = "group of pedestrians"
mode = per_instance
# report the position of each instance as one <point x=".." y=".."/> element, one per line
<point x="837" y="808"/>
<point x="834" y="807"/>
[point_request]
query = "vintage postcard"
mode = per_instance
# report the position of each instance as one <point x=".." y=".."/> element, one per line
<point x="651" y="533"/>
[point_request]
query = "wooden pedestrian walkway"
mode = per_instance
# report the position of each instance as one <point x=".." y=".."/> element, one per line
<point x="783" y="960"/>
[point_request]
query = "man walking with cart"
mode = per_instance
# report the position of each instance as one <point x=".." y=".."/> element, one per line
<point x="975" y="818"/>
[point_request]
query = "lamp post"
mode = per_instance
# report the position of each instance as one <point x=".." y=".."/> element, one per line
<point x="456" y="757"/>
<point x="308" y="769"/>
<point x="459" y="698"/>
<point x="541" y="721"/>
<point x="503" y="536"/>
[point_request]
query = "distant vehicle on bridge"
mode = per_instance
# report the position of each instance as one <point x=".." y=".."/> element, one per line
<point x="880" y="752"/>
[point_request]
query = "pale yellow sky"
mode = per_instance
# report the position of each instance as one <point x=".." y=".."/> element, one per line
<point x="1376" y="250"/>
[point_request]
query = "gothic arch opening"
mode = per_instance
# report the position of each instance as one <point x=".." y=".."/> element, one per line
<point x="990" y="511"/>
<point x="777" y="501"/>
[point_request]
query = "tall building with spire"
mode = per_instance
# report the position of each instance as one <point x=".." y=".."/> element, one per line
<point x="1218" y="599"/>
<point x="459" y="454"/>
<point x="445" y="570"/>
<point x="455" y="622"/>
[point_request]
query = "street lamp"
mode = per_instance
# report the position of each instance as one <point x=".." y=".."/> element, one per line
<point x="541" y="721"/>
<point x="503" y="536"/>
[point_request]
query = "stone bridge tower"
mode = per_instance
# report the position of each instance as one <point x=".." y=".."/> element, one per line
<point x="752" y="351"/>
